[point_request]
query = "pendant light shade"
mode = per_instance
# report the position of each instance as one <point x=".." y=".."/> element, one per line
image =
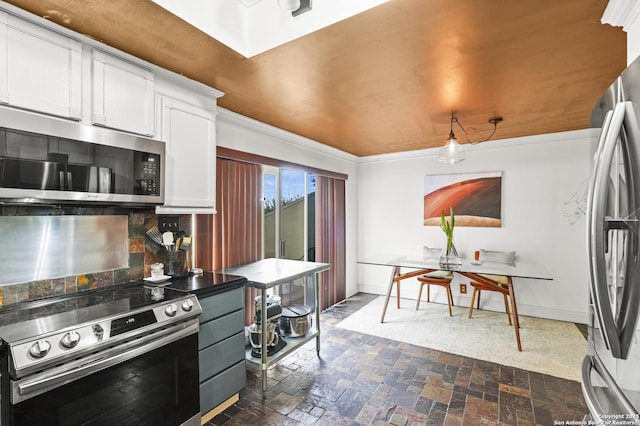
<point x="452" y="152"/>
<point x="289" y="5"/>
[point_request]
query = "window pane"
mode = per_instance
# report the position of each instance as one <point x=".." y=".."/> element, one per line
<point x="269" y="190"/>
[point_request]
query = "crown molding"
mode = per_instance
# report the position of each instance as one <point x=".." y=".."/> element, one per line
<point x="574" y="136"/>
<point x="621" y="13"/>
<point x="282" y="135"/>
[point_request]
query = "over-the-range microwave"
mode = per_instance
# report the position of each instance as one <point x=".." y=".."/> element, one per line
<point x="50" y="160"/>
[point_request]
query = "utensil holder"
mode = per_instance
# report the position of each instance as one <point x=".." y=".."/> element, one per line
<point x="177" y="263"/>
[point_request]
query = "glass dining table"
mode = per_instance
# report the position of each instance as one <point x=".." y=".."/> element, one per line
<point x="475" y="271"/>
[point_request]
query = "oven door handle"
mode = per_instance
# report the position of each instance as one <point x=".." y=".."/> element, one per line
<point x="23" y="389"/>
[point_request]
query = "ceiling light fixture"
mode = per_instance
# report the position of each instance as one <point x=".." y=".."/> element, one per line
<point x="453" y="152"/>
<point x="289" y="5"/>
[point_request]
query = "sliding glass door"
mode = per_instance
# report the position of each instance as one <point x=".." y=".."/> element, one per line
<point x="289" y="223"/>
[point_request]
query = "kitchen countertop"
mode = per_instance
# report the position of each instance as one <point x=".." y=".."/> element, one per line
<point x="205" y="284"/>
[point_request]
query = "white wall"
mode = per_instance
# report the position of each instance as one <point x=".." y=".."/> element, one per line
<point x="244" y="134"/>
<point x="545" y="181"/>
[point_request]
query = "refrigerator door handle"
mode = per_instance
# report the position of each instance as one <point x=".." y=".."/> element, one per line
<point x="588" y="392"/>
<point x="611" y="129"/>
<point x="628" y="307"/>
<point x="592" y="362"/>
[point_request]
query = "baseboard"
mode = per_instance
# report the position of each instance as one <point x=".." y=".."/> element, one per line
<point x="219" y="409"/>
<point x="490" y="305"/>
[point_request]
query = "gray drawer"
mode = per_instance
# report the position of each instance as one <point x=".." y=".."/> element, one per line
<point x="221" y="304"/>
<point x="218" y="389"/>
<point x="221" y="356"/>
<point x="220" y="328"/>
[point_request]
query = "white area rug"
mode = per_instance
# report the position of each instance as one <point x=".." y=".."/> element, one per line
<point x="549" y="347"/>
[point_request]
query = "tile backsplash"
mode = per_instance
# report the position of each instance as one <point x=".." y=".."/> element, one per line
<point x="143" y="252"/>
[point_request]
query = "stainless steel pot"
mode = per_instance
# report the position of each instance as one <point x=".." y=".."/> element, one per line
<point x="295" y="320"/>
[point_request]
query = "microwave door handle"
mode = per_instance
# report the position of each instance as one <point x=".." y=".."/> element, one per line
<point x="598" y="229"/>
<point x="69" y="181"/>
<point x="61" y="180"/>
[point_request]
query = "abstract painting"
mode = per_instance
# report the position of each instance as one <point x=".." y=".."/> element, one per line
<point x="476" y="199"/>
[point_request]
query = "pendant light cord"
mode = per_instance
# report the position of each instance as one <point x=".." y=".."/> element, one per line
<point x="472" y="130"/>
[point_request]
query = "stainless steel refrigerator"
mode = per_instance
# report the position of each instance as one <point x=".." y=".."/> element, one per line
<point x="611" y="370"/>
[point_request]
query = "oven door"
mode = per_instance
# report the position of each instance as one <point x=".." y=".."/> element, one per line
<point x="158" y="387"/>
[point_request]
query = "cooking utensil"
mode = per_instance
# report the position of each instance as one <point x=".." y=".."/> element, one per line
<point x="155" y="235"/>
<point x="185" y="243"/>
<point x="178" y="239"/>
<point x="167" y="240"/>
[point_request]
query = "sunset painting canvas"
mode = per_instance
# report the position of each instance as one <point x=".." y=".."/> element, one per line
<point x="476" y="198"/>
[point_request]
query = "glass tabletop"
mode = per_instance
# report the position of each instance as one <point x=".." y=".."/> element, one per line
<point x="517" y="270"/>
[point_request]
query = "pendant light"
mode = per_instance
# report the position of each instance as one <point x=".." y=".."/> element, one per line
<point x="453" y="152"/>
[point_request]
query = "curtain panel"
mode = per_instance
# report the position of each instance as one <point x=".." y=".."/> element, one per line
<point x="234" y="234"/>
<point x="331" y="239"/>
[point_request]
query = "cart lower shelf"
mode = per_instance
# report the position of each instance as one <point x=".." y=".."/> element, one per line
<point x="292" y="344"/>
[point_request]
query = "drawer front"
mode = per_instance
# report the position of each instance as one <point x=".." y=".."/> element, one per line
<point x="220" y="328"/>
<point x="218" y="389"/>
<point x="221" y="304"/>
<point x="221" y="356"/>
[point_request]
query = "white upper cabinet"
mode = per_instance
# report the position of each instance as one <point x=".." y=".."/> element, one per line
<point x="189" y="132"/>
<point x="54" y="88"/>
<point x="123" y="95"/>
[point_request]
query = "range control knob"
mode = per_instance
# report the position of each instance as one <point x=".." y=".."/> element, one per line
<point x="40" y="348"/>
<point x="171" y="310"/>
<point x="187" y="305"/>
<point x="98" y="331"/>
<point x="70" y="340"/>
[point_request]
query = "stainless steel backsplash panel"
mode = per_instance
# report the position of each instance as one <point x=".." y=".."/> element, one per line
<point x="42" y="247"/>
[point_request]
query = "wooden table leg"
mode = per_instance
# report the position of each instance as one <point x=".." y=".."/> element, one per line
<point x="395" y="271"/>
<point x="512" y="298"/>
<point x="514" y="309"/>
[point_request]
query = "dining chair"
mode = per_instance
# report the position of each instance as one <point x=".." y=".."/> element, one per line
<point x="498" y="283"/>
<point x="441" y="278"/>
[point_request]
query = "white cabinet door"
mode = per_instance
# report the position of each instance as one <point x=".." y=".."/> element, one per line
<point x="122" y="95"/>
<point x="40" y="70"/>
<point x="189" y="132"/>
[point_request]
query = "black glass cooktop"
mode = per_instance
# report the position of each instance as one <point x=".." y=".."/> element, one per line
<point x="205" y="284"/>
<point x="55" y="313"/>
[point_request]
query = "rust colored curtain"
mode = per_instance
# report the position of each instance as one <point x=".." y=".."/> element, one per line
<point x="233" y="235"/>
<point x="330" y="239"/>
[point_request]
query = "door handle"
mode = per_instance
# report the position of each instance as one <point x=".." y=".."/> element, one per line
<point x="593" y="363"/>
<point x="598" y="235"/>
<point x="282" y="248"/>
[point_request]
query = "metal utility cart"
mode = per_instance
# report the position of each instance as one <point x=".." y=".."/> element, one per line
<point x="267" y="273"/>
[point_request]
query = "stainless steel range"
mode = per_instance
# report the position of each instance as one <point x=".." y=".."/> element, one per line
<point x="126" y="354"/>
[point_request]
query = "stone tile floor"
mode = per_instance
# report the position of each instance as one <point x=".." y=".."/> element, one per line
<point x="365" y="380"/>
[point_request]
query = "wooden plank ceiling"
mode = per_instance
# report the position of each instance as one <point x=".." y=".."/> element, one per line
<point x="387" y="80"/>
